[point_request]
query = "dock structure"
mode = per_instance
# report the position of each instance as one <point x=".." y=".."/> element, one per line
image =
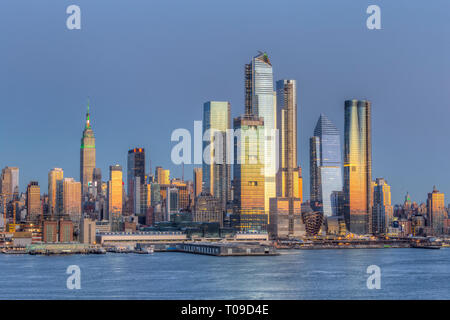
<point x="224" y="249"/>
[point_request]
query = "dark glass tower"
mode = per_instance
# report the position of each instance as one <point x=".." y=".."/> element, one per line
<point x="135" y="176"/>
<point x="358" y="166"/>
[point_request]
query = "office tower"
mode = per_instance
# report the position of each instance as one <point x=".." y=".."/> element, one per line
<point x="115" y="192"/>
<point x="216" y="170"/>
<point x="72" y="198"/>
<point x="260" y="102"/>
<point x="325" y="165"/>
<point x="183" y="193"/>
<point x="34" y="208"/>
<point x="172" y="203"/>
<point x="207" y="209"/>
<point x="198" y="181"/>
<point x="136" y="178"/>
<point x="155" y="193"/>
<point x="87" y="155"/>
<point x="249" y="207"/>
<point x="285" y="209"/>
<point x="54" y="175"/>
<point x="97" y="177"/>
<point x="382" y="210"/>
<point x="436" y="212"/>
<point x="162" y="176"/>
<point x="358" y="166"/>
<point x="9" y="183"/>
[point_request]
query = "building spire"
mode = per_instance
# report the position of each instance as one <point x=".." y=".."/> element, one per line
<point x="88" y="124"/>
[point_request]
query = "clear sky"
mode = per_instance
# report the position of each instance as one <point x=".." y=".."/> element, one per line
<point x="149" y="65"/>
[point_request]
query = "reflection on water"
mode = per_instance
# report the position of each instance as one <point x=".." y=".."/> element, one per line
<point x="295" y="274"/>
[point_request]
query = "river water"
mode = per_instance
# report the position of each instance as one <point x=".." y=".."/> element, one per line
<point x="294" y="274"/>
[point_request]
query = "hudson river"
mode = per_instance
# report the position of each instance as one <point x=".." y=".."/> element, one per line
<point x="295" y="274"/>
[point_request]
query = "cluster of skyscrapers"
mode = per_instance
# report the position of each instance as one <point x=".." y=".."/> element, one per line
<point x="259" y="188"/>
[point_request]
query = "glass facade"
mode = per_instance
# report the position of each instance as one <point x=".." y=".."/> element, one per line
<point x="136" y="179"/>
<point x="325" y="164"/>
<point x="115" y="192"/>
<point x="382" y="210"/>
<point x="55" y="175"/>
<point x="358" y="166"/>
<point x="436" y="211"/>
<point x="261" y="102"/>
<point x="216" y="170"/>
<point x="249" y="179"/>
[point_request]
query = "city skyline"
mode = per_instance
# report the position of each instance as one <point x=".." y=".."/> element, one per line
<point x="61" y="112"/>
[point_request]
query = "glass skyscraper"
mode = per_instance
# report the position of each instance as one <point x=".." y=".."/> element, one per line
<point x="325" y="165"/>
<point x="358" y="166"/>
<point x="216" y="170"/>
<point x="260" y="102"/>
<point x="249" y="211"/>
<point x="136" y="179"/>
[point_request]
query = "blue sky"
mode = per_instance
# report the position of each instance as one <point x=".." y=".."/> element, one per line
<point x="148" y="66"/>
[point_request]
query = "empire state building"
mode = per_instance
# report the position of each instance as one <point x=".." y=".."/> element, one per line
<point x="87" y="155"/>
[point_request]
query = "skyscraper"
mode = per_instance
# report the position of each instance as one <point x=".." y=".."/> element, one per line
<point x="54" y="175"/>
<point x="87" y="155"/>
<point x="249" y="196"/>
<point x="162" y="176"/>
<point x="325" y="165"/>
<point x="115" y="193"/>
<point x="285" y="209"/>
<point x="436" y="211"/>
<point x="216" y="170"/>
<point x="260" y="102"/>
<point x="382" y="211"/>
<point x="358" y="166"/>
<point x="198" y="181"/>
<point x="72" y="199"/>
<point x="9" y="186"/>
<point x="34" y="207"/>
<point x="136" y="178"/>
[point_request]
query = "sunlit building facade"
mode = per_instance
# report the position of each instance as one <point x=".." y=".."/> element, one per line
<point x="249" y="195"/>
<point x="382" y="210"/>
<point x="54" y="175"/>
<point x="358" y="166"/>
<point x="34" y="206"/>
<point x="325" y="165"/>
<point x="216" y="170"/>
<point x="72" y="199"/>
<point x="198" y="181"/>
<point x="436" y="213"/>
<point x="285" y="218"/>
<point x="260" y="101"/>
<point x="87" y="155"/>
<point x="115" y="192"/>
<point x="162" y="176"/>
<point x="9" y="186"/>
